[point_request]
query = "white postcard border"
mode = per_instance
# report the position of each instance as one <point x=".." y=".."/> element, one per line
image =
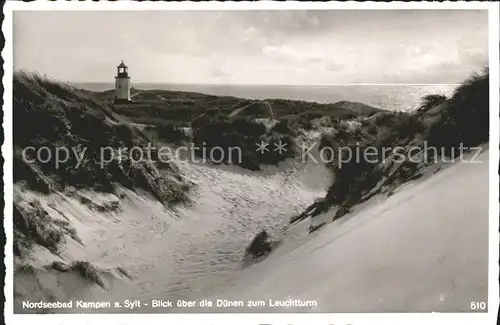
<point x="243" y="319"/>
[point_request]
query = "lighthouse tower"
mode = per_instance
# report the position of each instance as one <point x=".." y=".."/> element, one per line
<point x="122" y="84"/>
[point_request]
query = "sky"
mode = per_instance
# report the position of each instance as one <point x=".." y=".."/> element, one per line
<point x="254" y="47"/>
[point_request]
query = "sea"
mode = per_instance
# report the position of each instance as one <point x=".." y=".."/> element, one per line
<point x="397" y="97"/>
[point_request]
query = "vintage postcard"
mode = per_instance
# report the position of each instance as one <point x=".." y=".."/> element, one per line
<point x="251" y="163"/>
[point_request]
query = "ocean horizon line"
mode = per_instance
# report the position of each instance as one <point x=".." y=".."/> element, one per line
<point x="275" y="85"/>
<point x="388" y="96"/>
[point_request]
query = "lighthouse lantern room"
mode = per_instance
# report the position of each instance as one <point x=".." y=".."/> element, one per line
<point x="122" y="84"/>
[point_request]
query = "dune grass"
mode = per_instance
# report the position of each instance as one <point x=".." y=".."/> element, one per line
<point x="88" y="271"/>
<point x="463" y="119"/>
<point x="52" y="114"/>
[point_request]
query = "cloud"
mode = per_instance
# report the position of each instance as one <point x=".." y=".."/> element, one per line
<point x="295" y="46"/>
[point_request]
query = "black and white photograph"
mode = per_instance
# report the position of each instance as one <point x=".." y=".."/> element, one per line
<point x="251" y="161"/>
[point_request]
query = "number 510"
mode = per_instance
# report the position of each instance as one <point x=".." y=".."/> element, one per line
<point x="477" y="305"/>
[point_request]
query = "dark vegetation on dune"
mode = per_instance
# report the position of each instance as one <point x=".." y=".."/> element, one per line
<point x="33" y="225"/>
<point x="180" y="108"/>
<point x="465" y="116"/>
<point x="228" y="122"/>
<point x="55" y="115"/>
<point x="439" y="128"/>
<point x="239" y="136"/>
<point x="83" y="268"/>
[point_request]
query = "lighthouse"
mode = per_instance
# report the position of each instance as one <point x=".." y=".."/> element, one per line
<point x="122" y="84"/>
